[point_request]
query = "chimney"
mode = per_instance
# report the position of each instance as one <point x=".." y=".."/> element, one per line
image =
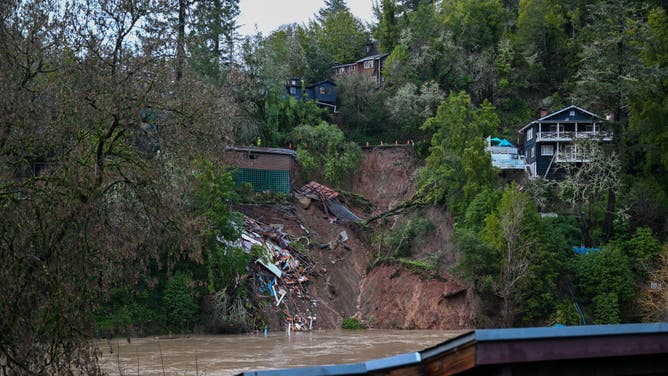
<point x="543" y="112"/>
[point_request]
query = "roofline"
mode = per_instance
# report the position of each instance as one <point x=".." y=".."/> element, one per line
<point x="372" y="57"/>
<point x="321" y="82"/>
<point x="262" y="150"/>
<point x="521" y="130"/>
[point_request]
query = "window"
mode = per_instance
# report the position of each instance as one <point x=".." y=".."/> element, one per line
<point x="293" y="90"/>
<point x="529" y="134"/>
<point x="368" y="64"/>
<point x="533" y="153"/>
<point x="554" y="127"/>
<point x="323" y="90"/>
<point x="547" y="150"/>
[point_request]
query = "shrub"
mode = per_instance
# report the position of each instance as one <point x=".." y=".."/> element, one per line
<point x="180" y="301"/>
<point x="352" y="323"/>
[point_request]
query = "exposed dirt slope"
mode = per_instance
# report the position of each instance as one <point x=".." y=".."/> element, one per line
<point x="386" y="296"/>
<point x="387" y="176"/>
<point x="393" y="297"/>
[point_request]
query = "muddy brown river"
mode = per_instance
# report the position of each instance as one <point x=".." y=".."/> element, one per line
<point x="231" y="354"/>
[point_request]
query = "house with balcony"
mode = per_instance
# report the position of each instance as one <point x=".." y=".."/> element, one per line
<point x="551" y="140"/>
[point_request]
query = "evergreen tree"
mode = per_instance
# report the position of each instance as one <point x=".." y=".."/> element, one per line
<point x="331" y="8"/>
<point x="387" y="31"/>
<point x="611" y="59"/>
<point x="213" y="35"/>
<point x="341" y="36"/>
<point x="541" y="35"/>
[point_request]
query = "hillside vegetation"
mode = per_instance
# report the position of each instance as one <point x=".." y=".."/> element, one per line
<point x="118" y="215"/>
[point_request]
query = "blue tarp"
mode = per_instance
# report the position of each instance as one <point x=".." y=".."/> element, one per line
<point x="504" y="142"/>
<point x="583" y="250"/>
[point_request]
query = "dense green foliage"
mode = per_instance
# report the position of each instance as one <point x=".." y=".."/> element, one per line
<point x="116" y="208"/>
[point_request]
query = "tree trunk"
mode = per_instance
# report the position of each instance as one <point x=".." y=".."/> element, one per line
<point x="180" y="40"/>
<point x="609" y="216"/>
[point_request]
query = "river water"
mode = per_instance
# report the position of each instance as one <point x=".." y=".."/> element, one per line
<point x="231" y="354"/>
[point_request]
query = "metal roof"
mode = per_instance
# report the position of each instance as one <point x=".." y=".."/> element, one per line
<point x="263" y="150"/>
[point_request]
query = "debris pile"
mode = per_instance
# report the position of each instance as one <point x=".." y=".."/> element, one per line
<point x="283" y="272"/>
<point x="332" y="207"/>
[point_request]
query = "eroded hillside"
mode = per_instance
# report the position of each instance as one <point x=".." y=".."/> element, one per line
<point x="355" y="278"/>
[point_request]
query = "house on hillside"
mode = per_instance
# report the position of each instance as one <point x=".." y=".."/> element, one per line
<point x="550" y="141"/>
<point x="371" y="64"/>
<point x="323" y="92"/>
<point x="265" y="169"/>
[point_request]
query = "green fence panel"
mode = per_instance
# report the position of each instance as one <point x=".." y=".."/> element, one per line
<point x="264" y="180"/>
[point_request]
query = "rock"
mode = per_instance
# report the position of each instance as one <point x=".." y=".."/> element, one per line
<point x="305" y="202"/>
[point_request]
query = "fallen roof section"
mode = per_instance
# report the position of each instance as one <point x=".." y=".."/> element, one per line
<point x="317" y="190"/>
<point x="625" y="349"/>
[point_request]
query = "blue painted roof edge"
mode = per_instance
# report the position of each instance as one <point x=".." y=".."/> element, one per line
<point x="334" y="369"/>
<point x="488" y="335"/>
<point x="393" y="361"/>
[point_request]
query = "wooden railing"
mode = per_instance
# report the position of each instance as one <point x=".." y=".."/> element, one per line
<point x="567" y="135"/>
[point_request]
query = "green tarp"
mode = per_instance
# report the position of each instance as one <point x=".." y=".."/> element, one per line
<point x="264" y="180"/>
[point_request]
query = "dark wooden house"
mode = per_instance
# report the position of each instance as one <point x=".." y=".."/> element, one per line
<point x="370" y="65"/>
<point x="265" y="169"/>
<point x="551" y="140"/>
<point x="322" y="92"/>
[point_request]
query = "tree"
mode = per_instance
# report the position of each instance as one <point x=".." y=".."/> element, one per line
<point x="324" y="145"/>
<point x="540" y="32"/>
<point x="180" y="300"/>
<point x="653" y="298"/>
<point x="585" y="185"/>
<point x="213" y="35"/>
<point x="457" y="167"/>
<point x="409" y="107"/>
<point x="479" y="265"/>
<point x="388" y="30"/>
<point x="475" y="24"/>
<point x="96" y="154"/>
<point x="605" y="280"/>
<point x="331" y="8"/>
<point x="341" y="35"/>
<point x="610" y="60"/>
<point x="648" y="133"/>
<point x="512" y="231"/>
<point x="361" y="104"/>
